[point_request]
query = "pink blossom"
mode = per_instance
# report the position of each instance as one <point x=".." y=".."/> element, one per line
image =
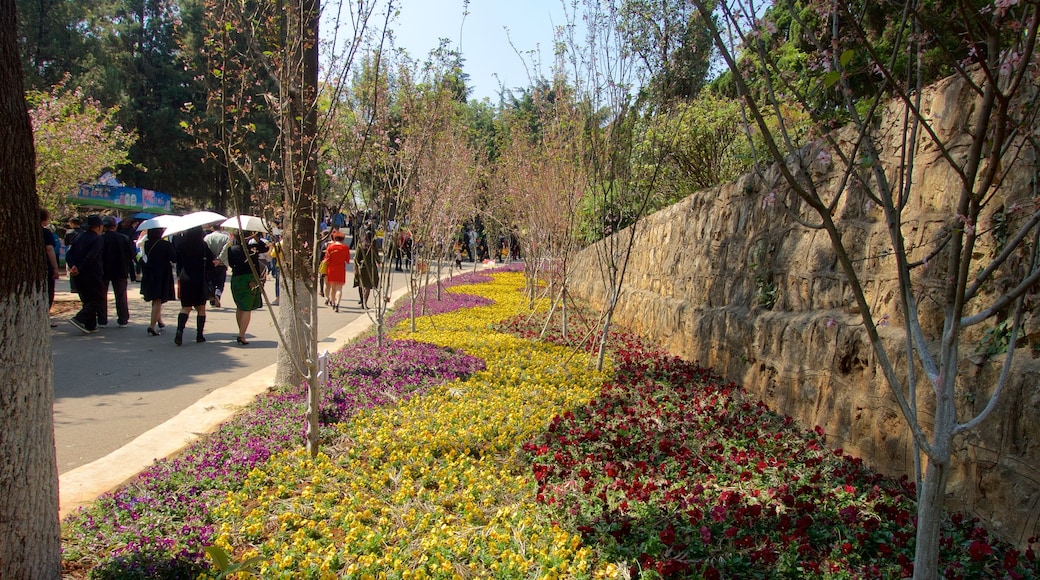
<point x="769" y="200"/>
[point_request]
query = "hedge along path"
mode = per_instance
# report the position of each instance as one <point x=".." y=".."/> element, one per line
<point x="436" y="487"/>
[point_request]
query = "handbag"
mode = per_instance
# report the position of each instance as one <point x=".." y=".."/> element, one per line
<point x="323" y="267"/>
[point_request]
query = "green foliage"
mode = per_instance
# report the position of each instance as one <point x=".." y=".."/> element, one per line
<point x="671" y="42"/>
<point x="995" y="340"/>
<point x="798" y="52"/>
<point x="50" y="44"/>
<point x="484" y="128"/>
<point x="605" y="211"/>
<point x="76" y="140"/>
<point x="127" y="56"/>
<point x="694" y="144"/>
<point x="222" y="560"/>
<point x="766" y="291"/>
<point x="231" y="120"/>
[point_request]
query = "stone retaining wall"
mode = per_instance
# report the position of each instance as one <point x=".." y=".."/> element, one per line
<point x="704" y="271"/>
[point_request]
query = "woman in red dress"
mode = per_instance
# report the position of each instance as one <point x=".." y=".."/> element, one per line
<point x="337" y="255"/>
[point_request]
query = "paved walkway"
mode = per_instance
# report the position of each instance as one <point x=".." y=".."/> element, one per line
<point x="124" y="399"/>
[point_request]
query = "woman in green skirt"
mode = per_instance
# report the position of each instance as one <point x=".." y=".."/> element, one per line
<point x="244" y="260"/>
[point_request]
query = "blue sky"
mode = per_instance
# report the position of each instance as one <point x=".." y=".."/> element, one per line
<point x="483" y="37"/>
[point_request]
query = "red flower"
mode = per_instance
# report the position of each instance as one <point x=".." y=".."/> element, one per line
<point x="718" y="513"/>
<point x="979" y="550"/>
<point x="705" y="535"/>
<point x="667" y="535"/>
<point x="1010" y="560"/>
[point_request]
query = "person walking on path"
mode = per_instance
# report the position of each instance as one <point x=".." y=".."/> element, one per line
<point x="127" y="228"/>
<point x="116" y="258"/>
<point x="218" y="241"/>
<point x="366" y="268"/>
<point x="74" y="229"/>
<point x="157" y="258"/>
<point x="323" y="244"/>
<point x="274" y="268"/>
<point x="85" y="266"/>
<point x="245" y="285"/>
<point x="337" y="256"/>
<point x="194" y="268"/>
<point x="50" y="253"/>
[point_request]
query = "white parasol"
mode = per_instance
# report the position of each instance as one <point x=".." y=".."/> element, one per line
<point x="161" y="221"/>
<point x="248" y="223"/>
<point x="193" y="220"/>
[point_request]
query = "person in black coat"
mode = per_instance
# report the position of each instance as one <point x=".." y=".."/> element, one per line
<point x="85" y="266"/>
<point x="116" y="257"/>
<point x="157" y="258"/>
<point x="128" y="228"/>
<point x="195" y="262"/>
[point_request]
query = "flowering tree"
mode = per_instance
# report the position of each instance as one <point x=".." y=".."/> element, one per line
<point x="542" y="183"/>
<point x="434" y="177"/>
<point x="76" y="139"/>
<point x="982" y="267"/>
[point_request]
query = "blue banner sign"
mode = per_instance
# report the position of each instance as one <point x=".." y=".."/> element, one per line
<point x="132" y="198"/>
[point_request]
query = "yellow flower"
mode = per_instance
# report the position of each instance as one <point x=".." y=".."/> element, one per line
<point x="432" y="483"/>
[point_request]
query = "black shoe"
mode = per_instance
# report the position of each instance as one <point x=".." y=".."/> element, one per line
<point x="240" y="340"/>
<point x="178" y="338"/>
<point x="80" y="325"/>
<point x="151" y="332"/>
<point x="200" y="338"/>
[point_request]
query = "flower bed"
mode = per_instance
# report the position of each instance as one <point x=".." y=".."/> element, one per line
<point x="434" y="487"/>
<point x="428" y="303"/>
<point x="676" y="474"/>
<point x="157" y="525"/>
<point x="529" y="466"/>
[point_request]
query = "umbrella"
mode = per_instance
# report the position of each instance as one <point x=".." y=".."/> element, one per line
<point x="162" y="221"/>
<point x="142" y="215"/>
<point x="193" y="220"/>
<point x="249" y="223"/>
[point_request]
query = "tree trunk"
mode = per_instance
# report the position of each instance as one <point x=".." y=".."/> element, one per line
<point x="30" y="544"/>
<point x="931" y="498"/>
<point x="930" y="501"/>
<point x="601" y="355"/>
<point x="299" y="130"/>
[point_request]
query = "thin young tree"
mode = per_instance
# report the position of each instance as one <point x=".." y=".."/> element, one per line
<point x="441" y="190"/>
<point x="30" y="545"/>
<point x="542" y="181"/>
<point x="982" y="268"/>
<point x="607" y="79"/>
<point x="282" y="44"/>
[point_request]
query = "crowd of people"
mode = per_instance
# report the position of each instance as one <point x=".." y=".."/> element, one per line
<point x="103" y="253"/>
<point x="364" y="254"/>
